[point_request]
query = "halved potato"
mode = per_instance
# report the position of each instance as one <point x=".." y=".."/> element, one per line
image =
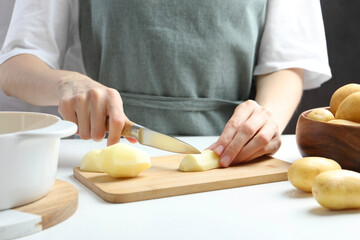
<point x="123" y="160"/>
<point x="118" y="160"/>
<point x="91" y="161"/>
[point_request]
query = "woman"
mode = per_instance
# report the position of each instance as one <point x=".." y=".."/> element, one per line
<point x="179" y="67"/>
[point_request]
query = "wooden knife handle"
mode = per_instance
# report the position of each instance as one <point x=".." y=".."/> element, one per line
<point x="126" y="132"/>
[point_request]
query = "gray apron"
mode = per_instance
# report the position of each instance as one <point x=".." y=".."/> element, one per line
<point x="181" y="66"/>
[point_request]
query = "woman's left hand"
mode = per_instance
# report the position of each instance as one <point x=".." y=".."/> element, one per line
<point x="251" y="132"/>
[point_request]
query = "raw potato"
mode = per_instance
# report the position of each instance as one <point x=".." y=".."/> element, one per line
<point x="123" y="160"/>
<point x="199" y="162"/>
<point x="91" y="161"/>
<point x="344" y="122"/>
<point x="321" y="114"/>
<point x="337" y="189"/>
<point x="349" y="109"/>
<point x="341" y="93"/>
<point x="303" y="171"/>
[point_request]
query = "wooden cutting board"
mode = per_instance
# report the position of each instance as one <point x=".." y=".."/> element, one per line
<point x="164" y="179"/>
<point x="58" y="205"/>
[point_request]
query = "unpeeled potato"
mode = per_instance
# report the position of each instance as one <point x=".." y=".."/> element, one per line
<point x="341" y="93"/>
<point x="349" y="109"/>
<point x="303" y="171"/>
<point x="321" y="114"/>
<point x="337" y="189"/>
<point x="344" y="122"/>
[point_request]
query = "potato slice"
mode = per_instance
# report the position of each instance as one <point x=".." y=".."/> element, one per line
<point x="91" y="161"/>
<point x="199" y="162"/>
<point x="337" y="189"/>
<point x="123" y="160"/>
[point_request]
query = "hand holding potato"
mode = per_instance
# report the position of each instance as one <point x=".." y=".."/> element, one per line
<point x="251" y="132"/>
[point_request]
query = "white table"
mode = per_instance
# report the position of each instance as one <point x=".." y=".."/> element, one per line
<point x="266" y="211"/>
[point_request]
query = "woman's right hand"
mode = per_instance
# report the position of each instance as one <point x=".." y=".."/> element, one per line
<point x="81" y="99"/>
<point x="88" y="103"/>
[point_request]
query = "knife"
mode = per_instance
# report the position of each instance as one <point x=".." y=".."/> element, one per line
<point x="154" y="139"/>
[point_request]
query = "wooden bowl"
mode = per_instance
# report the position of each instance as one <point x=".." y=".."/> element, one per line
<point x="338" y="142"/>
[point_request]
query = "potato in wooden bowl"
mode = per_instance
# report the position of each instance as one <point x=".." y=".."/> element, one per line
<point x="340" y="142"/>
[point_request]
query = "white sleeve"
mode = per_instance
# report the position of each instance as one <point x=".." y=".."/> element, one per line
<point x="45" y="28"/>
<point x="294" y="37"/>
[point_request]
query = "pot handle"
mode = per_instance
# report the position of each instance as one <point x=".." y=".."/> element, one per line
<point x="60" y="129"/>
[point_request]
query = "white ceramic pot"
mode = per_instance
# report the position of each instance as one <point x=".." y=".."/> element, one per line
<point x="29" y="150"/>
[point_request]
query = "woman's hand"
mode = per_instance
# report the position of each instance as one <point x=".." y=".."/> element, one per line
<point x="81" y="99"/>
<point x="87" y="103"/>
<point x="251" y="132"/>
<point x="255" y="127"/>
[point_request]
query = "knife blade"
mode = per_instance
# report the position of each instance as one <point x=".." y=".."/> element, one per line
<point x="148" y="137"/>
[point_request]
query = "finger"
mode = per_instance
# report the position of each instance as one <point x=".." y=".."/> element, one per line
<point x="131" y="139"/>
<point x="116" y="124"/>
<point x="83" y="116"/>
<point x="67" y="111"/>
<point x="116" y="117"/>
<point x="240" y="115"/>
<point x="258" y="144"/>
<point x="269" y="149"/>
<point x="98" y="114"/>
<point x="246" y="132"/>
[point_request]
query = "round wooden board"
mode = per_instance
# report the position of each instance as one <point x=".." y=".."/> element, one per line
<point x="58" y="205"/>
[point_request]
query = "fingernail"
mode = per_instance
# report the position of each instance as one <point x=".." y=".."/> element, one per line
<point x="219" y="149"/>
<point x="225" y="161"/>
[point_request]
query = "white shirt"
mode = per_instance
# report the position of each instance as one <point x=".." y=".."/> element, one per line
<point x="10" y="103"/>
<point x="293" y="37"/>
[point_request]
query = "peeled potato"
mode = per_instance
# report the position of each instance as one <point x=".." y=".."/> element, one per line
<point x="344" y="122"/>
<point x="341" y="93"/>
<point x="91" y="161"/>
<point x="123" y="160"/>
<point x="321" y="114"/>
<point x="337" y="189"/>
<point x="303" y="171"/>
<point x="349" y="109"/>
<point x="199" y="162"/>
